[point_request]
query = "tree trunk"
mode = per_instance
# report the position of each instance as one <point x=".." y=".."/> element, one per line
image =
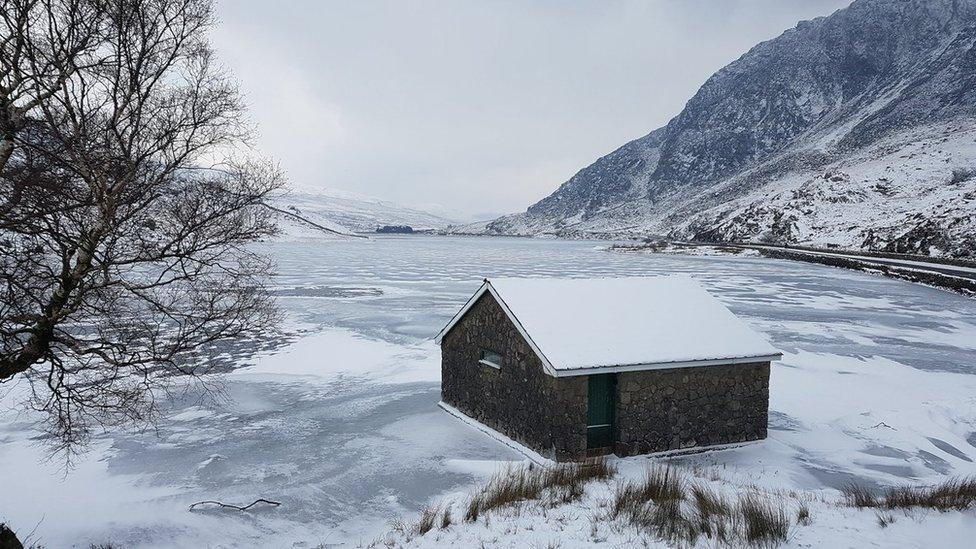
<point x="42" y="333"/>
<point x="6" y="149"/>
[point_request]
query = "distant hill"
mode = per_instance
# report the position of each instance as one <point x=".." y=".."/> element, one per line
<point x="857" y="129"/>
<point x="315" y="212"/>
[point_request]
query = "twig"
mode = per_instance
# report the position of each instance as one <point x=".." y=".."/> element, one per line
<point x="238" y="507"/>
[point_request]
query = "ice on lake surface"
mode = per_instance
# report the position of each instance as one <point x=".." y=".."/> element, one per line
<point x="340" y="422"/>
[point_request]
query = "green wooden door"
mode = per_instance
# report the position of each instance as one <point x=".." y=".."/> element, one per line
<point x="599" y="411"/>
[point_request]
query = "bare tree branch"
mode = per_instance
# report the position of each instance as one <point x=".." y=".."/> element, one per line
<point x="124" y="260"/>
<point x="231" y="506"/>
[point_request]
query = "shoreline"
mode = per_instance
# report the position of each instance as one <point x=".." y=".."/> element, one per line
<point x="917" y="269"/>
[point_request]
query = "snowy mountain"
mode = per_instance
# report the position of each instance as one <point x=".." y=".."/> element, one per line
<point x="855" y="129"/>
<point x="312" y="212"/>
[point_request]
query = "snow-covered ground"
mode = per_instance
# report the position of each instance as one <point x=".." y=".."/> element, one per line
<point x="341" y="423"/>
<point x="347" y="212"/>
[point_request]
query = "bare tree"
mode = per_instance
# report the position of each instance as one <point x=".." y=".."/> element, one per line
<point x="124" y="245"/>
<point x="42" y="45"/>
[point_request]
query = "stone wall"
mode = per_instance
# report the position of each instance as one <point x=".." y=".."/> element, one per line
<point x="656" y="410"/>
<point x="686" y="407"/>
<point x="520" y="399"/>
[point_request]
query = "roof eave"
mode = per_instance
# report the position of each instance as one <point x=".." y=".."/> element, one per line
<point x="487" y="287"/>
<point x="550" y="368"/>
<point x="460" y="314"/>
<point x="569" y="372"/>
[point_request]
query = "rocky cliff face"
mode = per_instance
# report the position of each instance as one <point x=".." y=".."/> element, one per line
<point x="853" y="129"/>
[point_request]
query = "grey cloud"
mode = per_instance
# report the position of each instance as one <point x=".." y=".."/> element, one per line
<point x="478" y="106"/>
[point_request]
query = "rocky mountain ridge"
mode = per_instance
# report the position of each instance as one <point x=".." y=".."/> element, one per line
<point x="853" y="129"/>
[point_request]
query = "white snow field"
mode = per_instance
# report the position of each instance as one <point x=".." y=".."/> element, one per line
<point x="339" y="422"/>
<point x="347" y="212"/>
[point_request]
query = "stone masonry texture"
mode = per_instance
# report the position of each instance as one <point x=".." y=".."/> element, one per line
<point x="520" y="399"/>
<point x="682" y="408"/>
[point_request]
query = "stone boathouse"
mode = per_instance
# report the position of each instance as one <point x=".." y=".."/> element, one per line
<point x="579" y="367"/>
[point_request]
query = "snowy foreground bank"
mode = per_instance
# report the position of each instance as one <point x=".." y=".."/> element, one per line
<point x="341" y="425"/>
<point x="662" y="505"/>
<point x="849" y="421"/>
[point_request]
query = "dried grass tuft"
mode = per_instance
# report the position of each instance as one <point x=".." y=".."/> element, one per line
<point x="661" y="484"/>
<point x="473" y="510"/>
<point x="859" y="496"/>
<point x="803" y="515"/>
<point x="885" y="519"/>
<point x="428" y="517"/>
<point x="765" y="522"/>
<point x="563" y="482"/>
<point x="953" y="494"/>
<point x="668" y="506"/>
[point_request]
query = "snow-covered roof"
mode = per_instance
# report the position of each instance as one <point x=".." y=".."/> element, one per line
<point x="622" y="324"/>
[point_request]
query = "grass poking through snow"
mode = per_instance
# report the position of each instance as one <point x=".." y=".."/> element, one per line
<point x="803" y="515"/>
<point x="765" y="521"/>
<point x="446" y="519"/>
<point x="953" y="494"/>
<point x="427" y="519"/>
<point x="885" y="519"/>
<point x="668" y="506"/>
<point x="859" y="496"/>
<point x="563" y="483"/>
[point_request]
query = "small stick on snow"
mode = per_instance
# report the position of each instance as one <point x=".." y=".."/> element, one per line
<point x="883" y="424"/>
<point x="239" y="508"/>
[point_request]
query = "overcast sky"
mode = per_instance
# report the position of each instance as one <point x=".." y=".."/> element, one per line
<point x="482" y="107"/>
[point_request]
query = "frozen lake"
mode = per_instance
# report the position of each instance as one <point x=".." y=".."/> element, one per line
<point x="341" y="424"/>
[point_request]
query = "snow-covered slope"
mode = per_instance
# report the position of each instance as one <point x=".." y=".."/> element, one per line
<point x="853" y="129"/>
<point x="346" y="212"/>
<point x="912" y="192"/>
